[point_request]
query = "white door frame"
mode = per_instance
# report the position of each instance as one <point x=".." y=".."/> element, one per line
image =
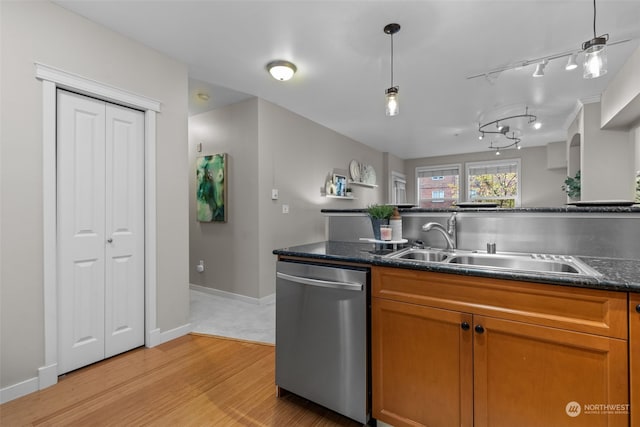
<point x="52" y="79"/>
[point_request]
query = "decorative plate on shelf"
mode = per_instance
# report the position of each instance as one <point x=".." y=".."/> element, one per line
<point x="354" y="170"/>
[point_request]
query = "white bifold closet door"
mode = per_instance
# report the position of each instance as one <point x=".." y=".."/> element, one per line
<point x="100" y="195"/>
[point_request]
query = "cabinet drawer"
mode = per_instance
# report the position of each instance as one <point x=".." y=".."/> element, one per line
<point x="584" y="310"/>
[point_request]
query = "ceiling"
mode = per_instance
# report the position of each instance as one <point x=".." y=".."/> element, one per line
<point x="343" y="60"/>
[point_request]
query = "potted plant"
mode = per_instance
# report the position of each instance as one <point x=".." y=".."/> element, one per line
<point x="348" y="192"/>
<point x="379" y="215"/>
<point x="572" y="186"/>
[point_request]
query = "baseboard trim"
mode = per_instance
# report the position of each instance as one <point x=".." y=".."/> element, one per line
<point x="171" y="334"/>
<point x="153" y="338"/>
<point x="18" y="390"/>
<point x="47" y="376"/>
<point x="269" y="299"/>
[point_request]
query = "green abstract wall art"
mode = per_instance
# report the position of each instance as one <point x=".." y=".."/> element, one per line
<point x="211" y="187"/>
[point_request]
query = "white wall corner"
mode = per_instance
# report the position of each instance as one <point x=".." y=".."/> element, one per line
<point x="47" y="376"/>
<point x="18" y="390"/>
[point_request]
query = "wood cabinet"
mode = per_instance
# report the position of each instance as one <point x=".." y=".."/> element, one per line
<point x="634" y="357"/>
<point x="451" y="350"/>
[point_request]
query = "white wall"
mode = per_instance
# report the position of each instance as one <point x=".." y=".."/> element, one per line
<point x="44" y="32"/>
<point x="606" y="160"/>
<point x="269" y="147"/>
<point x="621" y="98"/>
<point x="541" y="187"/>
<point x="229" y="250"/>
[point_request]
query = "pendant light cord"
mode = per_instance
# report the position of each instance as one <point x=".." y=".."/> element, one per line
<point x="594" y="19"/>
<point x="392" y="58"/>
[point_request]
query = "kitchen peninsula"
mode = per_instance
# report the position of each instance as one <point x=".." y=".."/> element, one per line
<point x="464" y="345"/>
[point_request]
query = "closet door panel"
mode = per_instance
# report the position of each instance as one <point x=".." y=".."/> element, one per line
<point x="81" y="239"/>
<point x="124" y="296"/>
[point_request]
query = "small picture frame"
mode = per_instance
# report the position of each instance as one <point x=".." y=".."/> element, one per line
<point x="340" y="183"/>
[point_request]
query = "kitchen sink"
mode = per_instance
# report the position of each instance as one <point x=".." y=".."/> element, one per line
<point x="555" y="264"/>
<point x="516" y="262"/>
<point x="415" y="254"/>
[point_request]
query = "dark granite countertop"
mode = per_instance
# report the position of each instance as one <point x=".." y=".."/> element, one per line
<point x="559" y="209"/>
<point x="617" y="274"/>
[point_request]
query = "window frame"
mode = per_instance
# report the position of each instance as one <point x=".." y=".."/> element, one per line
<point x="489" y="163"/>
<point x="433" y="168"/>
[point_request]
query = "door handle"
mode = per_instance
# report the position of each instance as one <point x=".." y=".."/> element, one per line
<point x="347" y="286"/>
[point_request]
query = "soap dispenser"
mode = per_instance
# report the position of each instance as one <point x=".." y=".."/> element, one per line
<point x="396" y="225"/>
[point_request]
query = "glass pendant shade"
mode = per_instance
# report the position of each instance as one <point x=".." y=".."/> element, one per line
<point x="391" y="102"/>
<point x="595" y="61"/>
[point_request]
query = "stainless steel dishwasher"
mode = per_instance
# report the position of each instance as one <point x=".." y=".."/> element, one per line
<point x="322" y="330"/>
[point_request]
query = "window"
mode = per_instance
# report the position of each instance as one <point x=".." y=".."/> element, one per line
<point x="495" y="181"/>
<point x="438" y="186"/>
<point x="398" y="188"/>
<point x="437" y="196"/>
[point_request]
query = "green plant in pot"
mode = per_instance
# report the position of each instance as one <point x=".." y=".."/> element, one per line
<point x="379" y="215"/>
<point x="572" y="186"/>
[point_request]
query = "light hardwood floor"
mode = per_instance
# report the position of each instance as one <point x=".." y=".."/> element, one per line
<point x="194" y="380"/>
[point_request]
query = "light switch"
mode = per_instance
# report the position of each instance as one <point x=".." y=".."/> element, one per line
<point x="199" y="147"/>
<point x="274" y="194"/>
<point x="285" y="209"/>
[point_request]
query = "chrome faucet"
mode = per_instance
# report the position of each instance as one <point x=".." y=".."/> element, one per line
<point x="449" y="233"/>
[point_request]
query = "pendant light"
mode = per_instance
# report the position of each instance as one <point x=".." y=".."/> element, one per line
<point x="595" y="53"/>
<point x="391" y="94"/>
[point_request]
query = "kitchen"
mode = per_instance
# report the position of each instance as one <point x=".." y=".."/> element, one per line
<point x="37" y="42"/>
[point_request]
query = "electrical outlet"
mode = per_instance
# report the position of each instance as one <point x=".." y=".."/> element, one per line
<point x="274" y="194"/>
<point x="285" y="209"/>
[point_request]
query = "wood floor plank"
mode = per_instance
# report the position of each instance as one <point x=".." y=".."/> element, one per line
<point x="195" y="380"/>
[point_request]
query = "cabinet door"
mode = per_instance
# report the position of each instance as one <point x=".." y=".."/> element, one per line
<point x="634" y="357"/>
<point x="422" y="365"/>
<point x="528" y="375"/>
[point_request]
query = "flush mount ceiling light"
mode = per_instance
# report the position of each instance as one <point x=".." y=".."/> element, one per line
<point x="203" y="96"/>
<point x="281" y="70"/>
<point x="504" y="132"/>
<point x="595" y="53"/>
<point x="391" y="94"/>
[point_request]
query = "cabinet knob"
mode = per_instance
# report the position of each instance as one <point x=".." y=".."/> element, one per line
<point x="465" y="326"/>
<point x="109" y="240"/>
<point x="479" y="329"/>
<point x="638" y="308"/>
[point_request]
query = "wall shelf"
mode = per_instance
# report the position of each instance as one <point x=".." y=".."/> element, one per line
<point x="330" y="196"/>
<point x="363" y="184"/>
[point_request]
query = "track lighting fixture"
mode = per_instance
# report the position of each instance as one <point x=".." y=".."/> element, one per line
<point x="392" y="107"/>
<point x="595" y="53"/>
<point x="539" y="72"/>
<point x="506" y="130"/>
<point x="572" y="63"/>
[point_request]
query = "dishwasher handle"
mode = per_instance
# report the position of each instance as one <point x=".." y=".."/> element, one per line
<point x="347" y="286"/>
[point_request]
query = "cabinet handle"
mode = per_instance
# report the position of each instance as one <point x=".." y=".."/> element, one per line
<point x="479" y="329"/>
<point x="109" y="240"/>
<point x="465" y="326"/>
<point x="638" y="308"/>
